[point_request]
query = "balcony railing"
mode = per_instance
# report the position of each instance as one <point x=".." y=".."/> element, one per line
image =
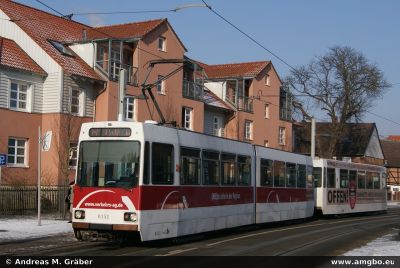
<point x="115" y="67"/>
<point x="192" y="90"/>
<point x="285" y="114"/>
<point x="241" y="103"/>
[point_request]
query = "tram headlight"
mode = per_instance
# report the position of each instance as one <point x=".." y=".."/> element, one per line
<point x="79" y="214"/>
<point x="130" y="216"/>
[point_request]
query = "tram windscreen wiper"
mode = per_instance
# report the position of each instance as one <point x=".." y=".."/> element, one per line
<point x="111" y="183"/>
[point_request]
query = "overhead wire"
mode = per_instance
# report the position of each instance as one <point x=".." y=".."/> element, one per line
<point x="175" y="10"/>
<point x="274" y="54"/>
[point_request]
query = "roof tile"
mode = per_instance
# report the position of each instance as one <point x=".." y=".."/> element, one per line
<point x="11" y="55"/>
<point x="391" y="150"/>
<point x="42" y="26"/>
<point x="211" y="99"/>
<point x="127" y="30"/>
<point x="244" y="69"/>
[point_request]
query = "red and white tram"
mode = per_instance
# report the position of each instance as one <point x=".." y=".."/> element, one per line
<point x="343" y="187"/>
<point x="165" y="182"/>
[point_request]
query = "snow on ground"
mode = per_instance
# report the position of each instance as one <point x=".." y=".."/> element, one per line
<point x="12" y="229"/>
<point x="388" y="245"/>
<point x="393" y="204"/>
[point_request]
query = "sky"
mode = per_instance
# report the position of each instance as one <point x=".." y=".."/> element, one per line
<point x="296" y="31"/>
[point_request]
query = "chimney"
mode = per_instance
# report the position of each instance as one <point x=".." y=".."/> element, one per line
<point x="84" y="35"/>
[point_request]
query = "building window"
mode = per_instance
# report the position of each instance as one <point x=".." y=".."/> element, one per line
<point x="282" y="136"/>
<point x="267" y="80"/>
<point x="162" y="44"/>
<point x="248" y="130"/>
<point x="115" y="64"/>
<point x="73" y="153"/>
<point x="19" y="92"/>
<point x="160" y="85"/>
<point x="266" y="111"/>
<point x="61" y="48"/>
<point x="129" y="108"/>
<point x="75" y="100"/>
<point x="16" y="152"/>
<point x="218" y="129"/>
<point x="187" y="115"/>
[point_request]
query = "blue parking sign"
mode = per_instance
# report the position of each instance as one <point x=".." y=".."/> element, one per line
<point x="3" y="159"/>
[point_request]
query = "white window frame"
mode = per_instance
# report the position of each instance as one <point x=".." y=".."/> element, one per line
<point x="161" y="86"/>
<point x="187" y="118"/>
<point x="73" y="154"/>
<point x="218" y="129"/>
<point x="115" y="63"/>
<point x="81" y="101"/>
<point x="162" y="41"/>
<point x="18" y="100"/>
<point x="248" y="130"/>
<point x="282" y="136"/>
<point x="267" y="80"/>
<point x="15" y="155"/>
<point x="129" y="108"/>
<point x="266" y="111"/>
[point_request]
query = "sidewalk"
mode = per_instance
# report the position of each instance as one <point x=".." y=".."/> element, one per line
<point x="23" y="228"/>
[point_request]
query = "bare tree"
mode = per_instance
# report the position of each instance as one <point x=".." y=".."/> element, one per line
<point x="68" y="127"/>
<point x="343" y="84"/>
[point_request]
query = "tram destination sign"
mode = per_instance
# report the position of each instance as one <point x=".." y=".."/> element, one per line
<point x="110" y="132"/>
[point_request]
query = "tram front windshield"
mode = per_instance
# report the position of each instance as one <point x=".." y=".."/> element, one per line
<point x="108" y="164"/>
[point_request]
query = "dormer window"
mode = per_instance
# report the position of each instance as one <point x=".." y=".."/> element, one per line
<point x="161" y="44"/>
<point x="61" y="48"/>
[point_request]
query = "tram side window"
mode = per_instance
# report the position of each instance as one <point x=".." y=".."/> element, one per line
<point x="146" y="170"/>
<point x="302" y="176"/>
<point x="344" y="178"/>
<point x="190" y="166"/>
<point x="228" y="170"/>
<point x="376" y="180"/>
<point x="244" y="170"/>
<point x="279" y="174"/>
<point x="317" y="175"/>
<point x="353" y="176"/>
<point x="330" y="178"/>
<point x="370" y="181"/>
<point x="291" y="173"/>
<point x="162" y="163"/>
<point x="361" y="180"/>
<point x="266" y="172"/>
<point x="211" y="169"/>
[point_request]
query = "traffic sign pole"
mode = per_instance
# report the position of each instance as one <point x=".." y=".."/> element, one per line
<point x="3" y="162"/>
<point x="39" y="173"/>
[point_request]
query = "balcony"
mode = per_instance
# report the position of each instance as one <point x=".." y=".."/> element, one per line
<point x="244" y="104"/>
<point x="113" y="55"/>
<point x="115" y="67"/>
<point x="285" y="114"/>
<point x="192" y="90"/>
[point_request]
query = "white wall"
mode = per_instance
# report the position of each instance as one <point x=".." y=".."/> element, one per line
<point x="218" y="88"/>
<point x="52" y="84"/>
<point x="374" y="148"/>
<point x="36" y="90"/>
<point x="85" y="51"/>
